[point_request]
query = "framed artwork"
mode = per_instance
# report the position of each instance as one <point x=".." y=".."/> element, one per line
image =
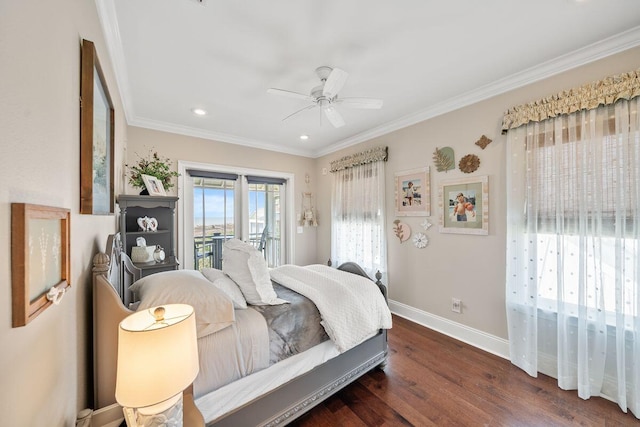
<point x="464" y="205"/>
<point x="154" y="185"/>
<point x="40" y="267"/>
<point x="96" y="137"/>
<point x="413" y="192"/>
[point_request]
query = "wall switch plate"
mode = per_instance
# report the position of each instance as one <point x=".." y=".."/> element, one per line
<point x="456" y="305"/>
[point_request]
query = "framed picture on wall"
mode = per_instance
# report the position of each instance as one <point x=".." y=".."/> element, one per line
<point x="96" y="137"/>
<point x="413" y="192"/>
<point x="464" y="206"/>
<point x="40" y="259"/>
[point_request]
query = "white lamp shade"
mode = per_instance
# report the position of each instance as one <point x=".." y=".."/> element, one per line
<point x="156" y="360"/>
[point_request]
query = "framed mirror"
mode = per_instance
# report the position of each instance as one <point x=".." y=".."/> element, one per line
<point x="96" y="136"/>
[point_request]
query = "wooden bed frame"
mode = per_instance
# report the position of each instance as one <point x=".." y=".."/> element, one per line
<point x="113" y="273"/>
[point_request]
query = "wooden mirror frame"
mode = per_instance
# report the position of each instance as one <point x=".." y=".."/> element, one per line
<point x="91" y="128"/>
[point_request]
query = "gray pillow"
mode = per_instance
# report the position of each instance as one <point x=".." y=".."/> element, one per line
<point x="213" y="308"/>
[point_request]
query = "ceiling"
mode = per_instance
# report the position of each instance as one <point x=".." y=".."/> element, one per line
<point x="422" y="57"/>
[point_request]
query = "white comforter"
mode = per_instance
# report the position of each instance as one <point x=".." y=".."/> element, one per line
<point x="352" y="307"/>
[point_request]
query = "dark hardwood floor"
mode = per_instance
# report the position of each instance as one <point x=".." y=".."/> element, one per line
<point x="434" y="380"/>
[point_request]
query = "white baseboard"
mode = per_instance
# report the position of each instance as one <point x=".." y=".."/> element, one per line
<point x="471" y="336"/>
<point x="109" y="416"/>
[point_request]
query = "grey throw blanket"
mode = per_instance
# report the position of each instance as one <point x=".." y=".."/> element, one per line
<point x="293" y="328"/>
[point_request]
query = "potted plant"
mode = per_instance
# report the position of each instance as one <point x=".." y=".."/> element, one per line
<point x="154" y="165"/>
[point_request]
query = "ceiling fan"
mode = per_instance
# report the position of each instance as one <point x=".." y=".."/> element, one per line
<point x="325" y="96"/>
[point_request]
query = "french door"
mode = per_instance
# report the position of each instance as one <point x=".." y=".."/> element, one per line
<point x="219" y="204"/>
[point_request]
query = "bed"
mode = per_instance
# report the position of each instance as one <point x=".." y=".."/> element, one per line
<point x="271" y="392"/>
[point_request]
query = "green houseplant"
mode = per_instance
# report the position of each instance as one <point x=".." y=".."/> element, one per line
<point x="153" y="165"/>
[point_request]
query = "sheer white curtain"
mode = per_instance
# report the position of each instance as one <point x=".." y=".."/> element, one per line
<point x="573" y="220"/>
<point x="358" y="218"/>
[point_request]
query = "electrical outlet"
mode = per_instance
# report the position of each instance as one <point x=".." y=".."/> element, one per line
<point x="456" y="305"/>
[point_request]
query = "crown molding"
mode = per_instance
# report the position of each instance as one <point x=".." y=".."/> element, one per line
<point x="215" y="136"/>
<point x="599" y="50"/>
<point x="108" y="19"/>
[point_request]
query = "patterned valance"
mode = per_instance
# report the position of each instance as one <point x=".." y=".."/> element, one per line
<point x="586" y="97"/>
<point x="374" y="155"/>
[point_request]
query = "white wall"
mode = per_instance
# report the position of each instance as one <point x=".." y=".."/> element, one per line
<point x="472" y="268"/>
<point x="45" y="367"/>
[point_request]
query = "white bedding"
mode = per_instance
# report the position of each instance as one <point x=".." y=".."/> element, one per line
<point x="232" y="396"/>
<point x="352" y="307"/>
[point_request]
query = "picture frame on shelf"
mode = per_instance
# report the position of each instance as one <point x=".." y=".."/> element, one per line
<point x="40" y="259"/>
<point x="154" y="185"/>
<point x="463" y="206"/>
<point x="96" y="137"/>
<point x="413" y="192"/>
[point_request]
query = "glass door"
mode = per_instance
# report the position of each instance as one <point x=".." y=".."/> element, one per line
<point x="265" y="220"/>
<point x="225" y="206"/>
<point x="214" y="219"/>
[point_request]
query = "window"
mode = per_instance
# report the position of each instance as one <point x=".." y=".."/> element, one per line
<point x="220" y="203"/>
<point x="357" y="226"/>
<point x="265" y="218"/>
<point x="580" y="199"/>
<point x="213" y="218"/>
<point x="573" y="236"/>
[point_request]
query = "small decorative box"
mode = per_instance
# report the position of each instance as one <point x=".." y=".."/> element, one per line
<point x="142" y="253"/>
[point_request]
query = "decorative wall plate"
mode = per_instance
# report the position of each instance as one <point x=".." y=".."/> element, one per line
<point x="444" y="159"/>
<point x="426" y="224"/>
<point x="483" y="142"/>
<point x="420" y="240"/>
<point x="402" y="230"/>
<point x="469" y="163"/>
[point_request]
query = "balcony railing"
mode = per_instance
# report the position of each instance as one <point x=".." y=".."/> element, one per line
<point x="207" y="250"/>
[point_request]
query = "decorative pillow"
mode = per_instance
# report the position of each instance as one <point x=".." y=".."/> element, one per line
<point x="212" y="273"/>
<point x="247" y="267"/>
<point x="226" y="285"/>
<point x="213" y="308"/>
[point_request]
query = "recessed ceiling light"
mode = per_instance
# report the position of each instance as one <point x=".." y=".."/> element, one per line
<point x="304" y="137"/>
<point x="199" y="111"/>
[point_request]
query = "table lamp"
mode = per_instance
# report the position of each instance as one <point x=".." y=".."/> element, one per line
<point x="157" y="360"/>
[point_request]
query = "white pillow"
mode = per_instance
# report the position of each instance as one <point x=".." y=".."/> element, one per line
<point x="226" y="285"/>
<point x="213" y="308"/>
<point x="212" y="273"/>
<point x="246" y="266"/>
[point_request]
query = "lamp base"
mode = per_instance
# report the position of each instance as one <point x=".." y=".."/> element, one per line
<point x="166" y="414"/>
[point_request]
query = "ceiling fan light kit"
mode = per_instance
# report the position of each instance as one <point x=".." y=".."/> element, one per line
<point x="325" y="96"/>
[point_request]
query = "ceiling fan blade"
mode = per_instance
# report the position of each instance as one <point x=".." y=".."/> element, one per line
<point x="288" y="93"/>
<point x="334" y="117"/>
<point x="334" y="82"/>
<point x="368" y="103"/>
<point x="299" y="111"/>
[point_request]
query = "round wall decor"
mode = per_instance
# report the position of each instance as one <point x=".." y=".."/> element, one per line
<point x="469" y="163"/>
<point x="420" y="240"/>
